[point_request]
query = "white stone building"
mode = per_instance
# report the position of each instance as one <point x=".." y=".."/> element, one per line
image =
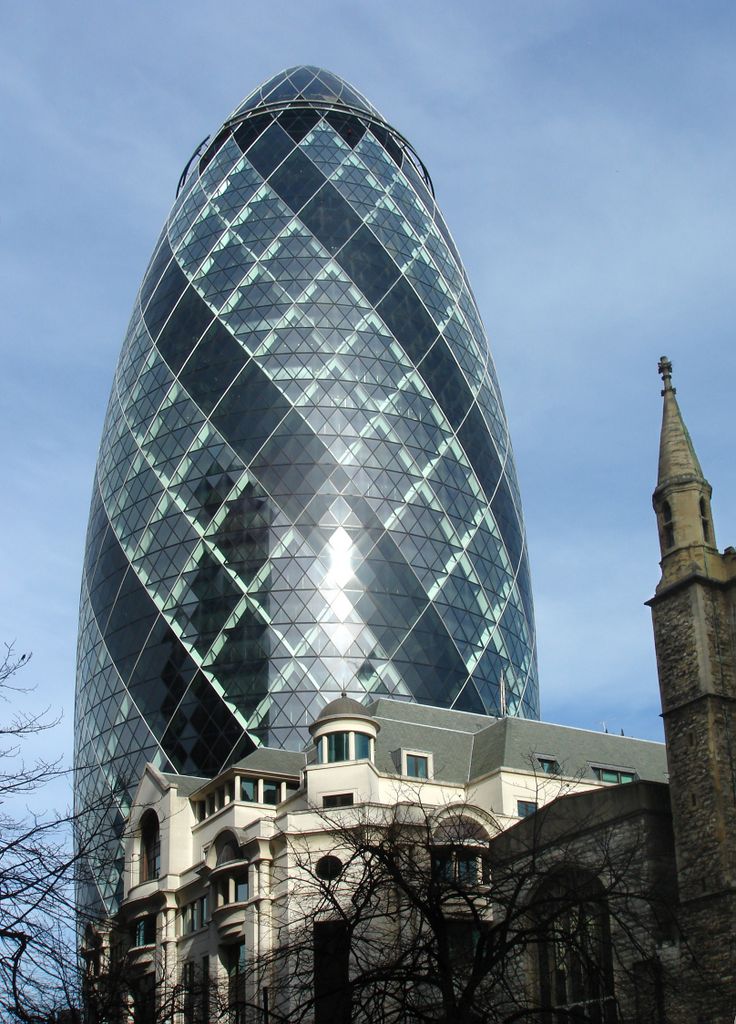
<point x="217" y="871"/>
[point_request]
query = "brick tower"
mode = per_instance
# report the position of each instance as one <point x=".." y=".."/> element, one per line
<point x="694" y="616"/>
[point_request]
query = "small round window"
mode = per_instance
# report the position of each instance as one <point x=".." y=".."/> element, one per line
<point x="328" y="868"/>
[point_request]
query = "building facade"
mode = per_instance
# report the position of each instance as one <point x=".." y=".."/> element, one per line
<point x="694" y="618"/>
<point x="418" y="863"/>
<point x="240" y="890"/>
<point x="305" y="483"/>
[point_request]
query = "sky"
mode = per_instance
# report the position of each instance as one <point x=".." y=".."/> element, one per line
<point x="583" y="154"/>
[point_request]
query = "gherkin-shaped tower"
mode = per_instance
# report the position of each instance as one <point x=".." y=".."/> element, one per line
<point x="305" y="483"/>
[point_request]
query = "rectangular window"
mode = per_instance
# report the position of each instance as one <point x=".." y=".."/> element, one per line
<point x="234" y="963"/>
<point x="362" y="746"/>
<point x="241" y="889"/>
<point x="525" y="807"/>
<point x="188" y="984"/>
<point x="205" y="990"/>
<point x="271" y="792"/>
<point x="614" y="775"/>
<point x="417" y="766"/>
<point x="249" y="790"/>
<point x="337" y="746"/>
<point x="338" y="800"/>
<point x="195" y="915"/>
<point x="331" y="973"/>
<point x="144" y="931"/>
<point x="549" y="765"/>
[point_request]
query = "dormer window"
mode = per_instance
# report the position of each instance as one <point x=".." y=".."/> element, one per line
<point x="548" y="765"/>
<point x="617" y="776"/>
<point x="416" y="764"/>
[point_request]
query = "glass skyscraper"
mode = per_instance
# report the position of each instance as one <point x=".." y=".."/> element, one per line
<point x="305" y="483"/>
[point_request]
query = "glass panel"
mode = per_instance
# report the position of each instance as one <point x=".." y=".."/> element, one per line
<point x="271" y="792"/>
<point x="338" y="800"/>
<point x="362" y="746"/>
<point x="417" y="766"/>
<point x="296" y="180"/>
<point x="249" y="790"/>
<point x="337" y="746"/>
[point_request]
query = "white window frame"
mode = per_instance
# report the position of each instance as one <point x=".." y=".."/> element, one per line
<point x="407" y="753"/>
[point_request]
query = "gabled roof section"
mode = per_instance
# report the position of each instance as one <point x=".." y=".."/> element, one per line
<point x="184" y="784"/>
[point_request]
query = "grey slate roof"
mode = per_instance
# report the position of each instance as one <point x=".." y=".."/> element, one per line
<point x="185" y="784"/>
<point x="468" y="746"/>
<point x="270" y="759"/>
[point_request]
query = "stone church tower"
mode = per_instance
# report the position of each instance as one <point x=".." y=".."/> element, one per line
<point x="694" y="615"/>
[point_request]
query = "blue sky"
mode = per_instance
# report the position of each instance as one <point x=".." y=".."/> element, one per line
<point x="583" y="154"/>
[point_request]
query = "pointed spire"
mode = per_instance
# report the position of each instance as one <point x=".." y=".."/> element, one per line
<point x="677" y="459"/>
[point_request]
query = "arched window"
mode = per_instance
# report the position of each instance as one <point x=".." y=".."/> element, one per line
<point x="150" y="847"/>
<point x="704" y="521"/>
<point x="228" y="851"/>
<point x="574" y="948"/>
<point x="460" y="853"/>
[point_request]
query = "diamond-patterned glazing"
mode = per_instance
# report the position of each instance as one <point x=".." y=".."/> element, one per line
<point x="305" y="482"/>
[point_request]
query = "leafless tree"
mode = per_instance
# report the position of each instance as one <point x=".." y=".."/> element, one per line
<point x="419" y="915"/>
<point x="39" y="978"/>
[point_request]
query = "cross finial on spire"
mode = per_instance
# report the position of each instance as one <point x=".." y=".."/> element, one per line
<point x="664" y="369"/>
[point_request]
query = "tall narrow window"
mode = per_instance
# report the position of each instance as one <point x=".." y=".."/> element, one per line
<point x="331" y="973"/>
<point x="144" y="999"/>
<point x="575" y="963"/>
<point x="704" y="521"/>
<point x="150" y="847"/>
<point x="234" y="962"/>
<point x="668" y="525"/>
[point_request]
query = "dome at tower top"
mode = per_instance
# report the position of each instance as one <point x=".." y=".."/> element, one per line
<point x="307" y="84"/>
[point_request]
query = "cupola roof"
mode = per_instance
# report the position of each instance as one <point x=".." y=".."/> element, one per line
<point x="306" y="84"/>
<point x="343" y="707"/>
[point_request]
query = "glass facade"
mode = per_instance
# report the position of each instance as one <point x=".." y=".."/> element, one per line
<point x="305" y="483"/>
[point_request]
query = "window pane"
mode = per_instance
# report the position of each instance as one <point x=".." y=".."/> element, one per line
<point x="337" y="746"/>
<point x="338" y="800"/>
<point x="271" y="792"/>
<point x="249" y="790"/>
<point x="241" y="889"/>
<point x="416" y="766"/>
<point x="362" y="746"/>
